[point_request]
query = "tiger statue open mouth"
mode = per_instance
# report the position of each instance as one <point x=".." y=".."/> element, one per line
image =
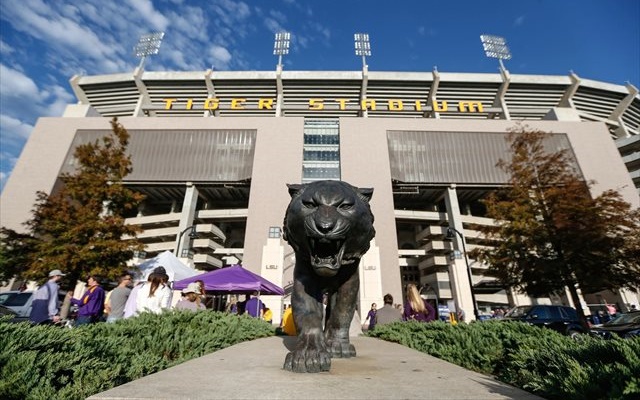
<point x="329" y="224"/>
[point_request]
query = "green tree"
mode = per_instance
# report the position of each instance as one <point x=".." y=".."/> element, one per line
<point x="550" y="233"/>
<point x="81" y="227"/>
<point x="15" y="250"/>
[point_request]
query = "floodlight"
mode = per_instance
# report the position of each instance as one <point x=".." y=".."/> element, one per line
<point x="281" y="45"/>
<point x="495" y="47"/>
<point x="362" y="46"/>
<point x="148" y="45"/>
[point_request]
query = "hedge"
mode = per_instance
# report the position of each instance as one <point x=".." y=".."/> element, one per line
<point x="540" y="361"/>
<point x="46" y="362"/>
<point x="49" y="362"/>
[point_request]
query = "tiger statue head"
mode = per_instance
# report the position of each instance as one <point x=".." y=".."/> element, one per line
<point x="329" y="223"/>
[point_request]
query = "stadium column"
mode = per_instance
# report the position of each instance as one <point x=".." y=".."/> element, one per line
<point x="460" y="284"/>
<point x="280" y="93"/>
<point x="187" y="216"/>
<point x="144" y="99"/>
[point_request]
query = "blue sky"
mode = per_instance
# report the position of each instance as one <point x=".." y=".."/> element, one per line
<point x="44" y="43"/>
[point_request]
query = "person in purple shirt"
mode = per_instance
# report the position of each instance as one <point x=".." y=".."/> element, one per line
<point x="91" y="304"/>
<point x="416" y="308"/>
<point x="254" y="306"/>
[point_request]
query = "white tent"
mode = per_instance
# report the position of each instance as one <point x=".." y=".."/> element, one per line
<point x="175" y="268"/>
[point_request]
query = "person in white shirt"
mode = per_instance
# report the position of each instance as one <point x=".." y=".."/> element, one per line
<point x="155" y="295"/>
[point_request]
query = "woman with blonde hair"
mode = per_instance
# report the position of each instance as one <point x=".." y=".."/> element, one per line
<point x="416" y="308"/>
<point x="232" y="306"/>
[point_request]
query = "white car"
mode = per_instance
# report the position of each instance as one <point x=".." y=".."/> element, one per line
<point x="20" y="302"/>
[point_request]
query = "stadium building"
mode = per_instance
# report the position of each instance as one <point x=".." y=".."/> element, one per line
<point x="214" y="150"/>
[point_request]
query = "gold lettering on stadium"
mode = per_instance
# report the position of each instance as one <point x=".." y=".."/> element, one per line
<point x="322" y="104"/>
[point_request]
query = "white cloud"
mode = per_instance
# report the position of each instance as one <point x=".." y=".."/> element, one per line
<point x="191" y="23"/>
<point x="273" y="25"/>
<point x="301" y="40"/>
<point x="221" y="57"/>
<point x="14" y="83"/>
<point x="8" y="162"/>
<point x="39" y="20"/>
<point x="148" y="13"/>
<point x="231" y="12"/>
<point x="57" y="100"/>
<point x="519" y="21"/>
<point x="13" y="130"/>
<point x="23" y="100"/>
<point x="5" y="48"/>
<point x="278" y="16"/>
<point x="177" y="57"/>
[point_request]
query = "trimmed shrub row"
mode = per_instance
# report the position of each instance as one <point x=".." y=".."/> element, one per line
<point x="540" y="361"/>
<point x="48" y="362"/>
<point x="54" y="363"/>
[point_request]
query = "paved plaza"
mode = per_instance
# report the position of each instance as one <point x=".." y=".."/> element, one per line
<point x="253" y="370"/>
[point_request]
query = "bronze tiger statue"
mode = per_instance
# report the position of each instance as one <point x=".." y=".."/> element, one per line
<point x="329" y="224"/>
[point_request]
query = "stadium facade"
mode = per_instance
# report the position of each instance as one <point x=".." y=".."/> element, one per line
<point x="213" y="152"/>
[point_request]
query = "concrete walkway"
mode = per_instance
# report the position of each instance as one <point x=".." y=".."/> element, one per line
<point x="253" y="370"/>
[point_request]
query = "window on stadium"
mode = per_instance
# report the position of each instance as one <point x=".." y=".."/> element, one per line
<point x="321" y="151"/>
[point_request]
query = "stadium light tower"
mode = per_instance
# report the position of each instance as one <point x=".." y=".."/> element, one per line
<point x="281" y="46"/>
<point x="363" y="46"/>
<point x="148" y="45"/>
<point x="496" y="47"/>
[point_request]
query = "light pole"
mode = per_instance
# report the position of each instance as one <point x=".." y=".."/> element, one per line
<point x="363" y="47"/>
<point x="450" y="232"/>
<point x="148" y="45"/>
<point x="496" y="47"/>
<point x="192" y="235"/>
<point x="281" y="46"/>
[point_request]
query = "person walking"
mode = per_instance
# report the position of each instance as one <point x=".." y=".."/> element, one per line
<point x="44" y="307"/>
<point x="388" y="313"/>
<point x="416" y="308"/>
<point x="118" y="299"/>
<point x="371" y="317"/>
<point x="91" y="304"/>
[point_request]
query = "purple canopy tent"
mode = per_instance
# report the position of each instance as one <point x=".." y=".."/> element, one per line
<point x="234" y="279"/>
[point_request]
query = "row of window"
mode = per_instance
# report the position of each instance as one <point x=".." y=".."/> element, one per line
<point x="321" y="132"/>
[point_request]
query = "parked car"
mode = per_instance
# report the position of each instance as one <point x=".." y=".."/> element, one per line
<point x="4" y="296"/>
<point x="20" y="302"/>
<point x="561" y="319"/>
<point x="4" y="311"/>
<point x="625" y="325"/>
